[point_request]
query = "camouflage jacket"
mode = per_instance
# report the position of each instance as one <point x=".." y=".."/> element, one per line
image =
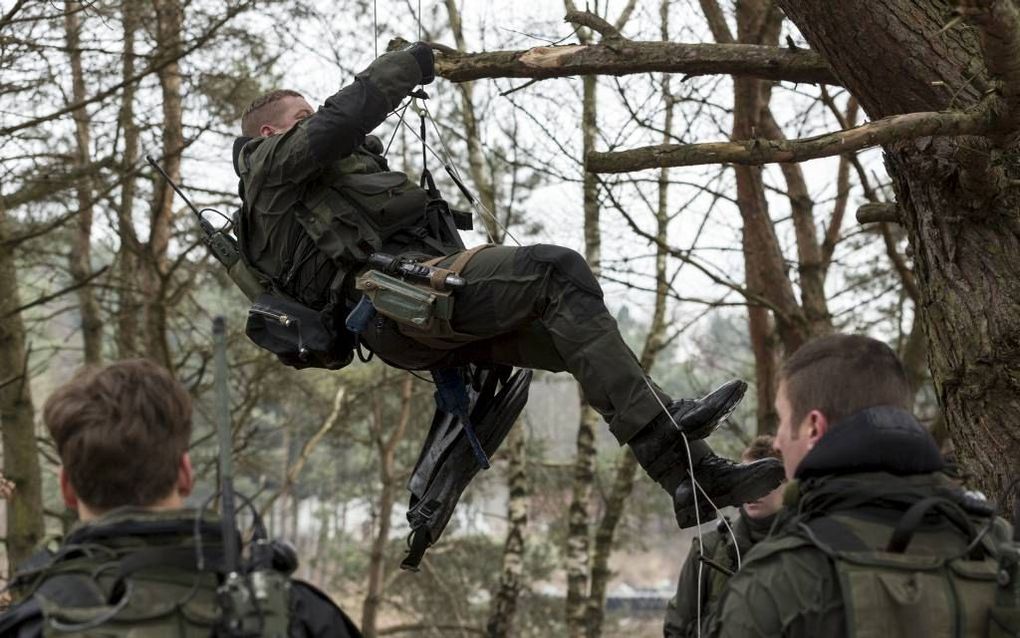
<point x="717" y="545"/>
<point x="304" y="167"/>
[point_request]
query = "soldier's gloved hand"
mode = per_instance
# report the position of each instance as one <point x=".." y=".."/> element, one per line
<point x="422" y="53"/>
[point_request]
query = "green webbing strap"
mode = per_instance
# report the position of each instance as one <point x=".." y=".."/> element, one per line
<point x="171" y="557"/>
<point x="830" y="535"/>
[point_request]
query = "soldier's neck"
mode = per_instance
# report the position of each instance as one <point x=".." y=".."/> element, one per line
<point x="172" y="502"/>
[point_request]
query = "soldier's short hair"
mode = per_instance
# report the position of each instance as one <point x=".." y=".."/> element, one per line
<point x="839" y="375"/>
<point x="761" y="448"/>
<point x="263" y="109"/>
<point x="120" y="432"/>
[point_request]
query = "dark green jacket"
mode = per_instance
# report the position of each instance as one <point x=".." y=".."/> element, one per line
<point x="124" y="535"/>
<point x="285" y="174"/>
<point x="787" y="586"/>
<point x="682" y="610"/>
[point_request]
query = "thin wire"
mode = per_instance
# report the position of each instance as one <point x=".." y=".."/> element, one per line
<point x="697" y="488"/>
<point x="396" y="128"/>
<point x="477" y="203"/>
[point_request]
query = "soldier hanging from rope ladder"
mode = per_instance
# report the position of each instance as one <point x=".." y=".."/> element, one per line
<point x="342" y="255"/>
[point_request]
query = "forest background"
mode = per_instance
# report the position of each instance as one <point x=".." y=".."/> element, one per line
<point x="714" y="264"/>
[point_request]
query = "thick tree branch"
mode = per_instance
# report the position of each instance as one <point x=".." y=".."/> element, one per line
<point x="624" y="57"/>
<point x="885" y="212"/>
<point x="998" y="23"/>
<point x="762" y="151"/>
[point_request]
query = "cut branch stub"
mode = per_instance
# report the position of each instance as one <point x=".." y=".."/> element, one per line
<point x="620" y="56"/>
<point x="879" y="212"/>
<point x="763" y="151"/>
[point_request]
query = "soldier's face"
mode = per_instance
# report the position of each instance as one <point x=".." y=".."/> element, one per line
<point x="767" y="505"/>
<point x="795" y="440"/>
<point x="291" y="110"/>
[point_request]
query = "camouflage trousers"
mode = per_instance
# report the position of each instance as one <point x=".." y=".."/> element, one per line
<point x="534" y="307"/>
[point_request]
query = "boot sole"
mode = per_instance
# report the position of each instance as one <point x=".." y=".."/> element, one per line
<point x="764" y="481"/>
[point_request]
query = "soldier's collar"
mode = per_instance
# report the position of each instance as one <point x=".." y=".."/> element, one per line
<point x="239" y="143"/>
<point x="877" y="439"/>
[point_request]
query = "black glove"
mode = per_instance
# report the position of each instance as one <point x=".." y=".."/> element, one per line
<point x="422" y="53"/>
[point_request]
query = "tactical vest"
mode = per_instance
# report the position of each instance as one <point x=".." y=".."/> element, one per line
<point x="940" y="589"/>
<point x="104" y="584"/>
<point x="356" y="207"/>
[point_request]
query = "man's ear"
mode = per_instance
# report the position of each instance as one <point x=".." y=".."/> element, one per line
<point x="817" y="426"/>
<point x="266" y="130"/>
<point x="67" y="490"/>
<point x="185" y="476"/>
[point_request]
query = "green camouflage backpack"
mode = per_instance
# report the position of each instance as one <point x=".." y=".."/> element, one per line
<point x="111" y="582"/>
<point x="943" y="588"/>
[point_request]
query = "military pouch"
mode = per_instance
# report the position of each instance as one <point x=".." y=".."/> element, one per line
<point x="299" y="336"/>
<point x="417" y="306"/>
<point x="390" y="200"/>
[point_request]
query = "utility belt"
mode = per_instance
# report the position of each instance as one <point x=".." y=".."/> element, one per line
<point x="418" y="296"/>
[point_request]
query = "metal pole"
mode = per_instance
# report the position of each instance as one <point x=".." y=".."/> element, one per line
<point x="223" y="428"/>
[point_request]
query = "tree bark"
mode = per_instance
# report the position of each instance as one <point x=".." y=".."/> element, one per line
<point x="386" y="446"/>
<point x="511" y="579"/>
<point x="156" y="264"/>
<point x="578" y="545"/>
<point x="130" y="249"/>
<point x="80" y="255"/>
<point x="960" y="219"/>
<point x="630" y="56"/>
<point x="25" y="527"/>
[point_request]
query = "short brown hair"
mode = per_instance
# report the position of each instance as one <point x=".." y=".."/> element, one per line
<point x="265" y="108"/>
<point x="761" y="448"/>
<point x="839" y="375"/>
<point x="120" y="432"/>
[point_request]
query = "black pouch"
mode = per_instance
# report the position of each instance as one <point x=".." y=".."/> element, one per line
<point x="299" y="336"/>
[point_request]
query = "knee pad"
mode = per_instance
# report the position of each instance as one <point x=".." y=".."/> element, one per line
<point x="567" y="263"/>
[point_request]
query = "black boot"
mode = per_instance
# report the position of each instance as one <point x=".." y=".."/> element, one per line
<point x="661" y="450"/>
<point x="727" y="484"/>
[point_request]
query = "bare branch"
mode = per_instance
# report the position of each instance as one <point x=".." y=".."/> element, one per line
<point x="595" y="23"/>
<point x="625" y="57"/>
<point x="763" y="151"/>
<point x="879" y="212"/>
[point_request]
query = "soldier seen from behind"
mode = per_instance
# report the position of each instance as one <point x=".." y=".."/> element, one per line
<point x="139" y="563"/>
<point x="320" y="198"/>
<point x="875" y="539"/>
<point x="702" y="581"/>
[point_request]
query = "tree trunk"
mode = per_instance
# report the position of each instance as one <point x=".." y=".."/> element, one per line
<point x="511" y="579"/>
<point x="764" y="266"/>
<point x="626" y="465"/>
<point x="578" y="546"/>
<point x="81" y="244"/>
<point x="169" y="24"/>
<point x="960" y="216"/>
<point x="387" y="446"/>
<point x="25" y="525"/>
<point x="576" y="553"/>
<point x="130" y="250"/>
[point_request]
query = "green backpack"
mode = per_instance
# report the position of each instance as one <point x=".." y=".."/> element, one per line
<point x="128" y="587"/>
<point x="931" y="591"/>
